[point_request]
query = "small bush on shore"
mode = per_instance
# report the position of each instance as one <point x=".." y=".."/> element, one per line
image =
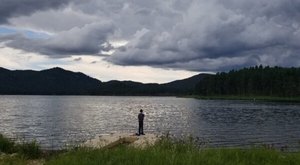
<point x="6" y="145"/>
<point x="30" y="150"/>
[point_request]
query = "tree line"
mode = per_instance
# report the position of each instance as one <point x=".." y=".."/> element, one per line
<point x="253" y="81"/>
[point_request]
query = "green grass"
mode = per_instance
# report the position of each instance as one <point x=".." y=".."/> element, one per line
<point x="253" y="98"/>
<point x="6" y="145"/>
<point x="28" y="150"/>
<point x="165" y="153"/>
<point x="13" y="161"/>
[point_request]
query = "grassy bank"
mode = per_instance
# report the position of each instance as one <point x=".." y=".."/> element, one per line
<point x="164" y="152"/>
<point x="252" y="98"/>
<point x="18" y="153"/>
<point x="29" y="150"/>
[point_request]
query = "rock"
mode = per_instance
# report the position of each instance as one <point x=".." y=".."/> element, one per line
<point x="2" y="155"/>
<point x="13" y="155"/>
<point x="36" y="162"/>
<point x="145" y="140"/>
<point x="112" y="140"/>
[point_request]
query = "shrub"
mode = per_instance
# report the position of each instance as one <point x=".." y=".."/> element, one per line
<point x="30" y="150"/>
<point x="6" y="145"/>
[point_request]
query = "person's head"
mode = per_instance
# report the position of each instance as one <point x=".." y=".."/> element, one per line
<point x="141" y="110"/>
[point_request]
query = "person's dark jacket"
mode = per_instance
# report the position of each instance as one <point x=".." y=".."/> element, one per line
<point x="141" y="117"/>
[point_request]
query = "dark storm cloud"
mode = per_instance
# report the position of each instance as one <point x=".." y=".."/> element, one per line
<point x="218" y="35"/>
<point x="195" y="35"/>
<point x="14" y="8"/>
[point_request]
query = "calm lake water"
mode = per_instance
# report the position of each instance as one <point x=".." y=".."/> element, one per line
<point x="57" y="121"/>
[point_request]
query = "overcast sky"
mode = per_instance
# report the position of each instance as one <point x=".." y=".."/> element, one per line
<point x="148" y="40"/>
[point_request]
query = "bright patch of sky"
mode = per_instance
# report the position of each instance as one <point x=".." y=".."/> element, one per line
<point x="27" y="33"/>
<point x="35" y="35"/>
<point x="6" y="30"/>
<point x="115" y="44"/>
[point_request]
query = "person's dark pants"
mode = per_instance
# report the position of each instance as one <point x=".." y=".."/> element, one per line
<point x="141" y="127"/>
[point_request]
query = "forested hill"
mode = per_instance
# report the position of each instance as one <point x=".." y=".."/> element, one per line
<point x="57" y="81"/>
<point x="186" y="85"/>
<point x="253" y="81"/>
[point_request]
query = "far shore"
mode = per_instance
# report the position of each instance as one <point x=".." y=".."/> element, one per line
<point x="250" y="98"/>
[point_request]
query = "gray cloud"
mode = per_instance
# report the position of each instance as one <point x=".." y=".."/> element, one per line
<point x="78" y="59"/>
<point x="54" y="20"/>
<point x="196" y="35"/>
<point x="14" y="8"/>
<point x="90" y="39"/>
<point x="218" y="35"/>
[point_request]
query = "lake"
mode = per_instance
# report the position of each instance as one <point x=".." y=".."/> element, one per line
<point x="58" y="121"/>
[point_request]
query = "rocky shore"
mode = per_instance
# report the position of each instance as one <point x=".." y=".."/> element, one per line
<point x="114" y="139"/>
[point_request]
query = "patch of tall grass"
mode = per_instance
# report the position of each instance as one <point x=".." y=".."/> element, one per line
<point x="29" y="150"/>
<point x="6" y="145"/>
<point x="8" y="160"/>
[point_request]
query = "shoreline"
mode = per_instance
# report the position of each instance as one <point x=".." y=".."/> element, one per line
<point x="249" y="98"/>
<point x="115" y="139"/>
<point x="163" y="150"/>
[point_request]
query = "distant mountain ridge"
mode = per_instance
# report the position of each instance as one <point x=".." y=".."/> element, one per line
<point x="57" y="81"/>
<point x="54" y="81"/>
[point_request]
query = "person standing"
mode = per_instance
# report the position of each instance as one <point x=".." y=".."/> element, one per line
<point x="141" y="123"/>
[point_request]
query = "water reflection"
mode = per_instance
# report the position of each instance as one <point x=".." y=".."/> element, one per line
<point x="55" y="121"/>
